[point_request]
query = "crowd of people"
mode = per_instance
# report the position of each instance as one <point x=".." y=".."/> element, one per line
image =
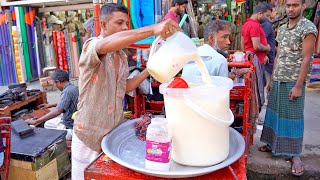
<point x="284" y="58"/>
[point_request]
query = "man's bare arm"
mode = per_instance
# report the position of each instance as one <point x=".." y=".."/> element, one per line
<point x="122" y="39"/>
<point x="307" y="52"/>
<point x="242" y="44"/>
<point x="52" y="114"/>
<point x="134" y="82"/>
<point x="258" y="46"/>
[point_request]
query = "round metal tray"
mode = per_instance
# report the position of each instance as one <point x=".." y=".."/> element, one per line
<point x="123" y="147"/>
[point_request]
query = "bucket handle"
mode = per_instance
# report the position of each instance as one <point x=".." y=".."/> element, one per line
<point x="207" y="115"/>
<point x="154" y="45"/>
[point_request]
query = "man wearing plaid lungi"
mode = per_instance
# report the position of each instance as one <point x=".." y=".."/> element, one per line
<point x="284" y="122"/>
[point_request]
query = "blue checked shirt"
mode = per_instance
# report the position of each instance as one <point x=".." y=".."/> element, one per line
<point x="68" y="102"/>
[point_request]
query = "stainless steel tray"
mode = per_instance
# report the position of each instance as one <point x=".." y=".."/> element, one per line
<point x="123" y="147"/>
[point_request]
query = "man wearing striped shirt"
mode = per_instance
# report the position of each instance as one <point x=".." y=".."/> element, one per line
<point x="66" y="106"/>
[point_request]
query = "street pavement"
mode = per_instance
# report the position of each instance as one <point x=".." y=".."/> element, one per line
<point x="263" y="166"/>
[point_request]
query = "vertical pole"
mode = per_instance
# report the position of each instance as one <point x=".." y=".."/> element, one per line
<point x="96" y="8"/>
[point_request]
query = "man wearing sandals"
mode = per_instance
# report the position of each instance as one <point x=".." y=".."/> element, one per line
<point x="284" y="122"/>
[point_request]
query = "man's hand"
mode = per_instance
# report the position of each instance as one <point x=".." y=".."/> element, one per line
<point x="295" y="93"/>
<point x="165" y="28"/>
<point x="269" y="88"/>
<point x="231" y="75"/>
<point x="266" y="60"/>
<point x="44" y="106"/>
<point x="268" y="48"/>
<point x="31" y="121"/>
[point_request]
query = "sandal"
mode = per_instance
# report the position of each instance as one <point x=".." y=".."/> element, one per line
<point x="265" y="148"/>
<point x="295" y="166"/>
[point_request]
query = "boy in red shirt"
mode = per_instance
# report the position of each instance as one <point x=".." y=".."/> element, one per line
<point x="253" y="38"/>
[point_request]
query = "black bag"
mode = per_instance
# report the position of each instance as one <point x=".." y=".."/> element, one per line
<point x="21" y="128"/>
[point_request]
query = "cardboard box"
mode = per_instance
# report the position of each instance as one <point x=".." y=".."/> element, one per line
<point x="47" y="172"/>
<point x="47" y="83"/>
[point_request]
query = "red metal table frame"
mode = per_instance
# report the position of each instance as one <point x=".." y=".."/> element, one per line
<point x="5" y="130"/>
<point x="104" y="168"/>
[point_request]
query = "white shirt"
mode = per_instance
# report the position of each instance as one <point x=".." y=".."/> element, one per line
<point x="216" y="64"/>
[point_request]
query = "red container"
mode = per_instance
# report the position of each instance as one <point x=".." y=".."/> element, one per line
<point x="156" y="105"/>
<point x="155" y="84"/>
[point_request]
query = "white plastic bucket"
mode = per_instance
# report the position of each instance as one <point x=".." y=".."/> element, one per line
<point x="199" y="118"/>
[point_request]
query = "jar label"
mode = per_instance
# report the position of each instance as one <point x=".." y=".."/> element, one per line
<point x="157" y="152"/>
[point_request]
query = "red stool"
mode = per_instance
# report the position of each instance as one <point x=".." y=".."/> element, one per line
<point x="5" y="130"/>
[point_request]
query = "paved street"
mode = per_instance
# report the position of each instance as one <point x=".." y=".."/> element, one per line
<point x="264" y="166"/>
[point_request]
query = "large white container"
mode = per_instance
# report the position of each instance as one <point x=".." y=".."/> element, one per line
<point x="198" y="120"/>
<point x="173" y="54"/>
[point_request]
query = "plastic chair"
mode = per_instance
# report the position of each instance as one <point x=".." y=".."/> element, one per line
<point x="5" y="130"/>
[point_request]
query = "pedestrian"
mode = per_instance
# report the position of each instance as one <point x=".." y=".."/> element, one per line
<point x="284" y="121"/>
<point x="253" y="38"/>
<point x="270" y="35"/>
<point x="103" y="81"/>
<point x="178" y="7"/>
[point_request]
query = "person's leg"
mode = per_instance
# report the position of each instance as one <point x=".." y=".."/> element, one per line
<point x="53" y="123"/>
<point x="61" y="126"/>
<point x="57" y="123"/>
<point x="82" y="156"/>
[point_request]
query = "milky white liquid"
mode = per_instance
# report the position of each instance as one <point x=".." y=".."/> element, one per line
<point x="201" y="66"/>
<point x="196" y="140"/>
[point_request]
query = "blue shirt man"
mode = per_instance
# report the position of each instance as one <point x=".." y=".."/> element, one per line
<point x="270" y="35"/>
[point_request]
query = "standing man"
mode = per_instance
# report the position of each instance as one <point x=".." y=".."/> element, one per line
<point x="103" y="81"/>
<point x="216" y="37"/>
<point x="270" y="35"/>
<point x="253" y="38"/>
<point x="177" y="7"/>
<point x="284" y="123"/>
<point x="67" y="106"/>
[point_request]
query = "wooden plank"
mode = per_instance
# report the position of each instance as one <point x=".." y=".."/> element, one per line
<point x="21" y="164"/>
<point x="66" y="8"/>
<point x="48" y="172"/>
<point x="63" y="164"/>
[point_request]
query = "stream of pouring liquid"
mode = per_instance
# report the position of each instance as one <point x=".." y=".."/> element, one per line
<point x="201" y="66"/>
